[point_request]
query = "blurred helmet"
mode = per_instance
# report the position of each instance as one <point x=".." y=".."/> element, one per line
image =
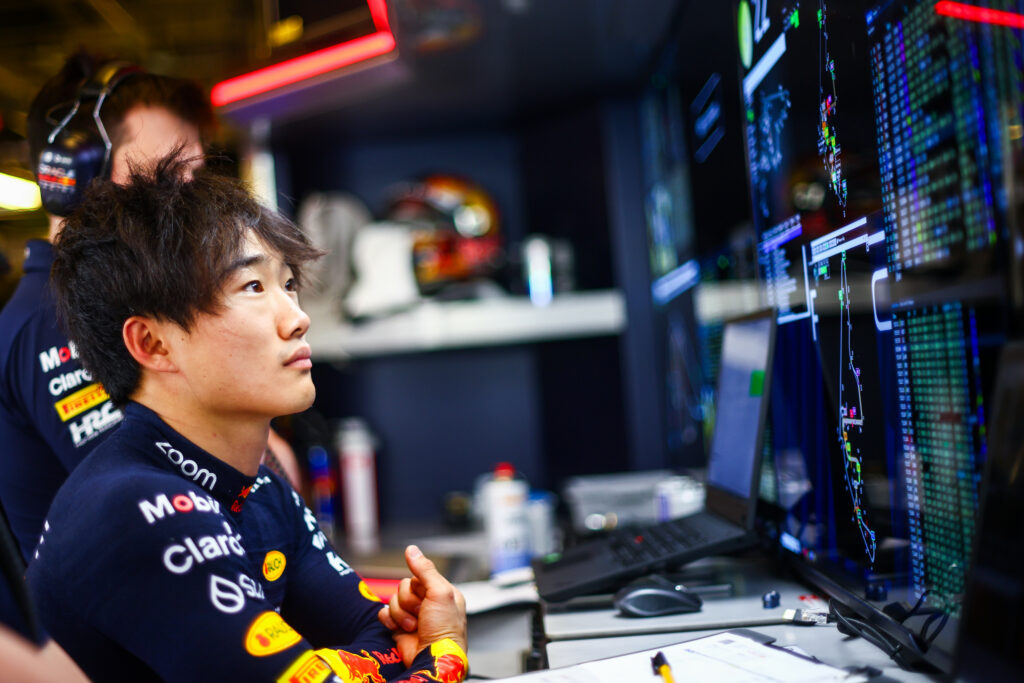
<point x="455" y="229"/>
<point x="461" y="204"/>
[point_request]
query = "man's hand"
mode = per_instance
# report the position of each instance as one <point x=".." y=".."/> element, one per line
<point x="426" y="608"/>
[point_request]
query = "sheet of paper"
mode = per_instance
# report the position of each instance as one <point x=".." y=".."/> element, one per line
<point x="721" y="657"/>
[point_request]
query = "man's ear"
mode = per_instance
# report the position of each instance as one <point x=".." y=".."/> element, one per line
<point x="146" y="340"/>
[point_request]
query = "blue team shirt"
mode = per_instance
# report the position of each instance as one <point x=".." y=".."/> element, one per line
<point x="52" y="413"/>
<point x="16" y="612"/>
<point x="160" y="561"/>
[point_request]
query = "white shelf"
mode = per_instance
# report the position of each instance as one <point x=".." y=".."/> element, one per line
<point x="461" y="324"/>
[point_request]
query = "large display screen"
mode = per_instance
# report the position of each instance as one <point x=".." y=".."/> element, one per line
<point x="883" y="144"/>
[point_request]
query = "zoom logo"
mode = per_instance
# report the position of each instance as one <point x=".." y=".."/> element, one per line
<point x="188" y="467"/>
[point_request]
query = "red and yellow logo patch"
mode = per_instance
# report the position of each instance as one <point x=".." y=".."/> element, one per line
<point x="80" y="401"/>
<point x="270" y="634"/>
<point x="308" y="668"/>
<point x="365" y="591"/>
<point x="273" y="565"/>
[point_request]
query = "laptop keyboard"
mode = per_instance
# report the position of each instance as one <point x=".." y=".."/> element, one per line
<point x="654" y="543"/>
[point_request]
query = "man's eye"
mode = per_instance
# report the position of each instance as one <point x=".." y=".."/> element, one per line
<point x="254" y="286"/>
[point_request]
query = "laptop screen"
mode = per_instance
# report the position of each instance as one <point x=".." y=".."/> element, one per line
<point x="741" y="403"/>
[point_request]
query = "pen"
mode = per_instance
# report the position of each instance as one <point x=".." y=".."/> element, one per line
<point x="661" y="668"/>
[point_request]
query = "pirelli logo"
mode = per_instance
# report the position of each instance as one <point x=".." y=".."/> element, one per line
<point x="80" y="401"/>
<point x="308" y="668"/>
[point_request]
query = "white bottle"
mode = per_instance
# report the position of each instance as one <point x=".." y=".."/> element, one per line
<point x="359" y="486"/>
<point x="508" y="533"/>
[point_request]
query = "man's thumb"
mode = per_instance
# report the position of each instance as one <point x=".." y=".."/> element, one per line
<point x="420" y="565"/>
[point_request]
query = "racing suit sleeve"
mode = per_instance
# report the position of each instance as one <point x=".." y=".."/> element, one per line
<point x="350" y="618"/>
<point x="52" y="414"/>
<point x="55" y="395"/>
<point x="207" y="615"/>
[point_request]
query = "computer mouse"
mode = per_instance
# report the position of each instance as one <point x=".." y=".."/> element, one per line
<point x="655" y="596"/>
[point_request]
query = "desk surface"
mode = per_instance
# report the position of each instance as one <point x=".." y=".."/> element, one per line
<point x="749" y="579"/>
<point x="581" y="635"/>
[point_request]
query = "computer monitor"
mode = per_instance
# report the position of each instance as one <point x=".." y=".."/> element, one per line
<point x="699" y="234"/>
<point x="742" y="385"/>
<point x="883" y="145"/>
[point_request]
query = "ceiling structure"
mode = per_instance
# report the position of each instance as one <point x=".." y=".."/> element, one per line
<point x="205" y="39"/>
<point x="456" y="60"/>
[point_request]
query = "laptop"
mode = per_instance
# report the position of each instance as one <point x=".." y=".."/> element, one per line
<point x="733" y="478"/>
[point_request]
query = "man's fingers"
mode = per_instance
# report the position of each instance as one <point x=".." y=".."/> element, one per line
<point x="408" y="597"/>
<point x="398" y="611"/>
<point x="384" y="615"/>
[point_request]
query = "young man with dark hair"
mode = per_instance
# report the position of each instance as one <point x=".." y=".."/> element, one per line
<point x="170" y="553"/>
<point x="52" y="411"/>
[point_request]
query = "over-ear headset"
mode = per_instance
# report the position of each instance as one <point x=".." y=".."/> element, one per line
<point x="74" y="154"/>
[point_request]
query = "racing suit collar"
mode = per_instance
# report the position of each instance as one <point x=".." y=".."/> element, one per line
<point x="173" y="452"/>
<point x="38" y="256"/>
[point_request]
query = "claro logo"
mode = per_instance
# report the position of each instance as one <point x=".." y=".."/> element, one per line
<point x="189" y="468"/>
<point x="179" y="558"/>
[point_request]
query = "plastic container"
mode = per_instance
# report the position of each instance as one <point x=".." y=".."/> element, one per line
<point x="359" y="486"/>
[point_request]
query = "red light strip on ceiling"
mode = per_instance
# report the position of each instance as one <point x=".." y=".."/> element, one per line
<point x="959" y="10"/>
<point x="379" y="14"/>
<point x="307" y="66"/>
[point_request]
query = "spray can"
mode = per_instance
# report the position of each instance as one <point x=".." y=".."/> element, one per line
<point x="359" y="486"/>
<point x="505" y="521"/>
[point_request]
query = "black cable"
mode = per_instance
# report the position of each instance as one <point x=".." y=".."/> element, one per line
<point x="917" y="606"/>
<point x="856" y="627"/>
<point x="942" y="618"/>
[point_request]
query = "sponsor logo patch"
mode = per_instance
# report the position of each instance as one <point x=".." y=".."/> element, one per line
<point x="162" y="506"/>
<point x="179" y="558"/>
<point x="273" y="565"/>
<point x="189" y="468"/>
<point x="353" y="668"/>
<point x="270" y="634"/>
<point x="68" y="381"/>
<point x="365" y="591"/>
<point x="56" y="356"/>
<point x="80" y="401"/>
<point x="229" y="597"/>
<point x="240" y="498"/>
<point x="450" y="662"/>
<point x="94" y="422"/>
<point x="308" y="668"/>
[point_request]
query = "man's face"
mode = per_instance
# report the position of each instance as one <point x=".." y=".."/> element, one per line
<point x="250" y="358"/>
<point x="146" y="135"/>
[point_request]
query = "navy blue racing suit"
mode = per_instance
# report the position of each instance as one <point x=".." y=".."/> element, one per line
<point x="52" y="413"/>
<point x="160" y="561"/>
